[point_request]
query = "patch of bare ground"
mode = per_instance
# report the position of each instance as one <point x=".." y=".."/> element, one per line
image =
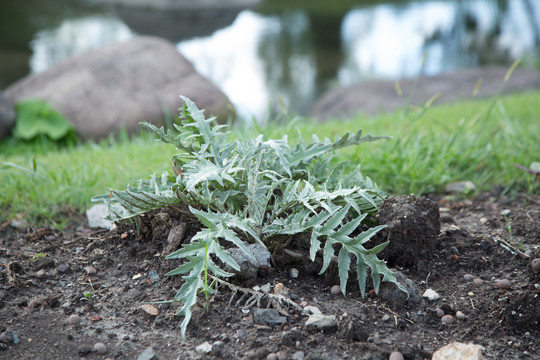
<point x="44" y="313"/>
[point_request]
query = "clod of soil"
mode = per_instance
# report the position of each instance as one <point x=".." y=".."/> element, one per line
<point x="413" y="228"/>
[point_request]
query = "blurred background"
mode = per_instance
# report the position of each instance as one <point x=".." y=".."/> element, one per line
<point x="262" y="52"/>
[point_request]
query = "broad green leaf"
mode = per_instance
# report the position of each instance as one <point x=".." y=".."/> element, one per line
<point x="35" y="117"/>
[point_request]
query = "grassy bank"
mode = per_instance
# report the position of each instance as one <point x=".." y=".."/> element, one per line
<point x="470" y="140"/>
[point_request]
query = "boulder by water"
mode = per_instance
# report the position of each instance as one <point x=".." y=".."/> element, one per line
<point x="382" y="96"/>
<point x="117" y="86"/>
<point x="7" y="116"/>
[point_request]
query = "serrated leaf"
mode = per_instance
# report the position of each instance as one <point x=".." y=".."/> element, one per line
<point x="365" y="236"/>
<point x="377" y="249"/>
<point x="328" y="254"/>
<point x="186" y="250"/>
<point x="344" y="262"/>
<point x="361" y="274"/>
<point x="224" y="255"/>
<point x="335" y="220"/>
<point x="187" y="267"/>
<point x="375" y="277"/>
<point x="347" y="228"/>
<point x="315" y="245"/>
<point x="189" y="299"/>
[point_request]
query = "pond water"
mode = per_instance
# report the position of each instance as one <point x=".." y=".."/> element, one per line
<point x="270" y="54"/>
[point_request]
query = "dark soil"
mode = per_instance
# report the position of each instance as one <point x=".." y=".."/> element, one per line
<point x="39" y="293"/>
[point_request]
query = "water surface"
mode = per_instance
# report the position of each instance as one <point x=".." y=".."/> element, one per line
<point x="257" y="56"/>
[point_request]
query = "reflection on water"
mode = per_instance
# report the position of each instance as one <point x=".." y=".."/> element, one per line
<point x="74" y="36"/>
<point x="296" y="55"/>
<point x="229" y="58"/>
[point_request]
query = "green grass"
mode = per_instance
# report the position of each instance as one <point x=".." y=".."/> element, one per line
<point x="462" y="141"/>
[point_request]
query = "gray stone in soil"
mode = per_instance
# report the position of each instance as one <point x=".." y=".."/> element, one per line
<point x="100" y="348"/>
<point x="63" y="268"/>
<point x="503" y="284"/>
<point x="218" y="349"/>
<point x="535" y="265"/>
<point x="321" y="322"/>
<point x="148" y="354"/>
<point x="267" y="317"/>
<point x="397" y="298"/>
<point x="266" y="288"/>
<point x="117" y="86"/>
<point x="9" y="337"/>
<point x="7" y="116"/>
<point x="204" y="348"/>
<point x="311" y="310"/>
<point x="249" y="267"/>
<point x="447" y="319"/>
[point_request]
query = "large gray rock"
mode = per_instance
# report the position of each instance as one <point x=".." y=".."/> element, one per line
<point x="117" y="86"/>
<point x="381" y="96"/>
<point x="7" y="116"/>
<point x="249" y="267"/>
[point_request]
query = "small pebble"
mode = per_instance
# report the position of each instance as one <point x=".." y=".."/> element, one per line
<point x="482" y="221"/>
<point x="439" y="312"/>
<point x="272" y="356"/>
<point x="504" y="284"/>
<point x="447" y="319"/>
<point x="460" y="315"/>
<point x="535" y="265"/>
<point x="335" y="290"/>
<point x="90" y="270"/>
<point x="204" y="348"/>
<point x="468" y="277"/>
<point x="310" y="310"/>
<point x="73" y="319"/>
<point x="293" y="273"/>
<point x="431" y="294"/>
<point x="396" y="355"/>
<point x="62" y="268"/>
<point x="266" y="288"/>
<point x="299" y="355"/>
<point x="9" y="337"/>
<point x="100" y="348"/>
<point x="478" y="281"/>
